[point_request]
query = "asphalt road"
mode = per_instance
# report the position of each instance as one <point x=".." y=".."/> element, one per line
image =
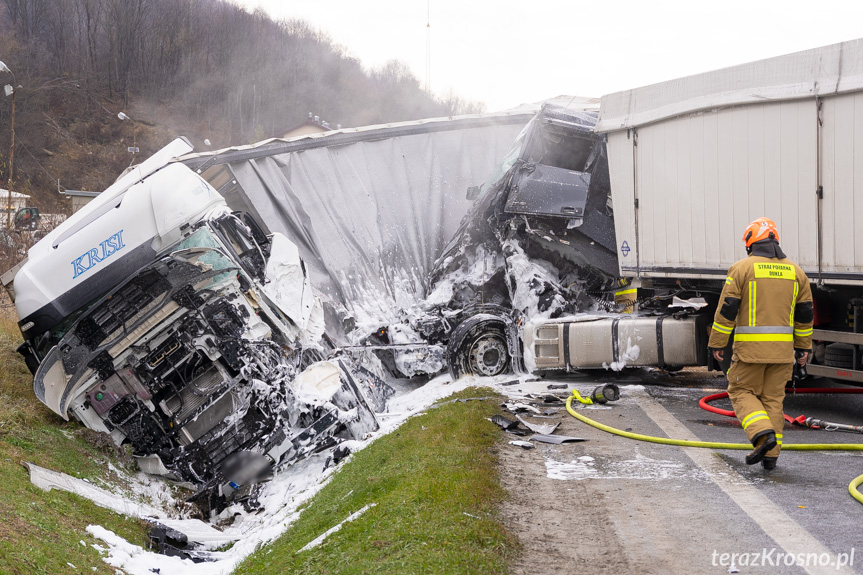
<point x="616" y="505"/>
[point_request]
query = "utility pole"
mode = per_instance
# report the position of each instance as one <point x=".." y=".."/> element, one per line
<point x="428" y="47"/>
<point x="10" y="91"/>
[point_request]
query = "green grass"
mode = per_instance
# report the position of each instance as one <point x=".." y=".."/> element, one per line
<point x="434" y="481"/>
<point x="41" y="531"/>
<point x="425" y="478"/>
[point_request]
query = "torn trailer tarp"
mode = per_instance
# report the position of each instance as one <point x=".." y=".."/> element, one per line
<point x="372" y="208"/>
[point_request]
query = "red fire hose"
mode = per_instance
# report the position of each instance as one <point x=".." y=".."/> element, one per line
<point x="704" y="402"/>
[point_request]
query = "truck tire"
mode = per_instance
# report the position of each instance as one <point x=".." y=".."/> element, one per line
<point x="478" y="346"/>
<point x="839" y="355"/>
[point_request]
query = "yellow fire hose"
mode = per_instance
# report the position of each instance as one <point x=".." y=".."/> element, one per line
<point x="852" y="487"/>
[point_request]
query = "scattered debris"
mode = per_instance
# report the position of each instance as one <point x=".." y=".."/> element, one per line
<point x="557" y="386"/>
<point x="555" y="439"/>
<point x="503" y="422"/>
<point x="522" y="444"/>
<point x="47" y="479"/>
<point x="177" y="537"/>
<point x="518" y="407"/>
<point x="173" y="543"/>
<point x="511" y="382"/>
<point x="279" y="500"/>
<point x="339" y="454"/>
<point x="536" y="428"/>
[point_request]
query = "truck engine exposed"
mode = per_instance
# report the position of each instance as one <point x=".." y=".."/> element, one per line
<point x="205" y="354"/>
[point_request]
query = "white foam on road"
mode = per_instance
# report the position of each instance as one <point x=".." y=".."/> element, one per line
<point x="641" y="468"/>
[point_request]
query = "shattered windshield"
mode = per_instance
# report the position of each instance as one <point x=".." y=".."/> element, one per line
<point x="508" y="160"/>
<point x="561" y="146"/>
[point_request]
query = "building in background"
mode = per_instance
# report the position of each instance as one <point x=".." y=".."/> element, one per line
<point x="313" y="125"/>
<point x="19" y="200"/>
<point x="79" y="198"/>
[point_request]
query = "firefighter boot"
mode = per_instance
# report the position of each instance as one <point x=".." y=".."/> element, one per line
<point x="763" y="442"/>
<point x="769" y="463"/>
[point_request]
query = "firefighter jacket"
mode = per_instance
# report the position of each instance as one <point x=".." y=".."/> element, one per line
<point x="767" y="303"/>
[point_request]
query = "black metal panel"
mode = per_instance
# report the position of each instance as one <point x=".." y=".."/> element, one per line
<point x="548" y="191"/>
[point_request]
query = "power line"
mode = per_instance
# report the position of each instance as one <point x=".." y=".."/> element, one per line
<point x="44" y="169"/>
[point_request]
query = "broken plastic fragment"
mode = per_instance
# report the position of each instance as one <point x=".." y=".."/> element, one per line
<point x="537" y="428"/>
<point x="503" y="422"/>
<point x="555" y="439"/>
<point x="516" y="407"/>
<point x="522" y="444"/>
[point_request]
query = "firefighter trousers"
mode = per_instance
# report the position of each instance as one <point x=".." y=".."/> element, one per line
<point x="757" y="391"/>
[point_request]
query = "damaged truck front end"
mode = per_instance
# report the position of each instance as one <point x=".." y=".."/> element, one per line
<point x="536" y="256"/>
<point x="204" y="352"/>
<point x="537" y="242"/>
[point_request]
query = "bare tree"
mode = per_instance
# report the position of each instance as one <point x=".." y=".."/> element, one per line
<point x="125" y="19"/>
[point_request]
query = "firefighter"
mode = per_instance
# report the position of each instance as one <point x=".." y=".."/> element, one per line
<point x="625" y="295"/>
<point x="767" y="303"/>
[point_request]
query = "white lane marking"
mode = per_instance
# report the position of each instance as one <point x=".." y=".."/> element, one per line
<point x="786" y="532"/>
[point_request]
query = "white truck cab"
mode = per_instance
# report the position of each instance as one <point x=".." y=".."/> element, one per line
<point x="157" y="315"/>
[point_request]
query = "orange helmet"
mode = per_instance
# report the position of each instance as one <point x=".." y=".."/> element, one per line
<point x="760" y="229"/>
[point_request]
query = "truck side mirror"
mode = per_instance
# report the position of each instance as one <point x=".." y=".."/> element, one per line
<point x="472" y="193"/>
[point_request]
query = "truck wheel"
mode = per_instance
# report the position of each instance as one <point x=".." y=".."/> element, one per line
<point x="479" y="346"/>
<point x="487" y="354"/>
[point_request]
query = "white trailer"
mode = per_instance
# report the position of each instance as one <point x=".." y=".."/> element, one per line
<point x="692" y="161"/>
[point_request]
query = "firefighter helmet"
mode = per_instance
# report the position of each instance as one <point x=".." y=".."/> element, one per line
<point x="760" y="229"/>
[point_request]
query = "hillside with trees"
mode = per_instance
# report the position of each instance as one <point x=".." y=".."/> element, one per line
<point x="205" y="69"/>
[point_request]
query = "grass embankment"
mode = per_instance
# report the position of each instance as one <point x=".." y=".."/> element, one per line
<point x="40" y="532"/>
<point x="435" y="485"/>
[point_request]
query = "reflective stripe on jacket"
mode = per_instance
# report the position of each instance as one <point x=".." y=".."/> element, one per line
<point x="758" y="304"/>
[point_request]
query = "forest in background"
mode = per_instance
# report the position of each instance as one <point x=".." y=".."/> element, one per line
<point x="204" y="69"/>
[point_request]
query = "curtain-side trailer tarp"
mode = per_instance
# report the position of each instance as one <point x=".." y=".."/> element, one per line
<point x="370" y="208"/>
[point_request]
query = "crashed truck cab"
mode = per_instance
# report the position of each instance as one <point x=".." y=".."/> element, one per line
<point x="157" y="315"/>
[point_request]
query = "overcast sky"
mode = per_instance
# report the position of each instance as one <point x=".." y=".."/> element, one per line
<point x="505" y="53"/>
